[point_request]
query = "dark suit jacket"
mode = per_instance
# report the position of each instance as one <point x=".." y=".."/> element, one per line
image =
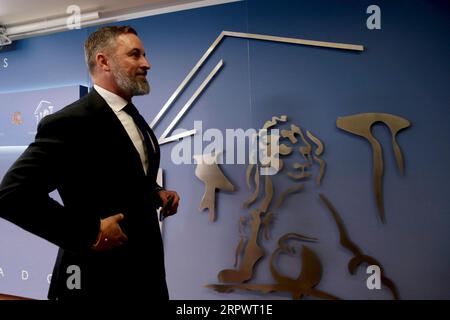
<point x="85" y="153"/>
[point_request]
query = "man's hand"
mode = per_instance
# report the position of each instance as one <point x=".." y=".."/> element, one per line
<point x="110" y="235"/>
<point x="170" y="201"/>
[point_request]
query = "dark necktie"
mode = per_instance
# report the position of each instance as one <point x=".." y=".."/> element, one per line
<point x="131" y="110"/>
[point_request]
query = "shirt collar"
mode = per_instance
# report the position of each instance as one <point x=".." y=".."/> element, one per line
<point x="116" y="102"/>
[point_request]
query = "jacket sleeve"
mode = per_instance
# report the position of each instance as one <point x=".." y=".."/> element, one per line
<point x="25" y="188"/>
<point x="157" y="187"/>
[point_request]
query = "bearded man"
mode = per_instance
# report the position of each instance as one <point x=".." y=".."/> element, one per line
<point x="102" y="157"/>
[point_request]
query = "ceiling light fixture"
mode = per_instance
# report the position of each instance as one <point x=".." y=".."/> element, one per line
<point x="4" y="39"/>
<point x="46" y="26"/>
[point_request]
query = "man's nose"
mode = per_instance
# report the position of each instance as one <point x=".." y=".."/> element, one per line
<point x="146" y="64"/>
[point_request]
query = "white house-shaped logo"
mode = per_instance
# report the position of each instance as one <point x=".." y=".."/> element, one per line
<point x="43" y="109"/>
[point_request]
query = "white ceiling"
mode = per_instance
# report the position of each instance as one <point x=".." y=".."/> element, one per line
<point x="14" y="12"/>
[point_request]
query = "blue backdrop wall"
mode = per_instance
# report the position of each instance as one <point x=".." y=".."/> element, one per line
<point x="403" y="71"/>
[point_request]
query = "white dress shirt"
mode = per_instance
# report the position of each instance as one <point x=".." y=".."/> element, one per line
<point x="117" y="103"/>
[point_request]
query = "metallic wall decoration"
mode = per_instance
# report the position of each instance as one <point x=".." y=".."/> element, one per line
<point x="284" y="194"/>
<point x="290" y="134"/>
<point x="361" y="125"/>
<point x="285" y="150"/>
<point x="255" y="194"/>
<point x="266" y="223"/>
<point x="318" y="143"/>
<point x="305" y="150"/>
<point x="308" y="278"/>
<point x="164" y="139"/>
<point x="323" y="44"/>
<point x="253" y="252"/>
<point x="242" y="223"/>
<point x="302" y="174"/>
<point x="318" y="152"/>
<point x="239" y="249"/>
<point x="268" y="189"/>
<point x="358" y="256"/>
<point x="212" y="176"/>
<point x="275" y="120"/>
<point x="212" y="48"/>
<point x="242" y="240"/>
<point x="322" y="165"/>
<point x="248" y="174"/>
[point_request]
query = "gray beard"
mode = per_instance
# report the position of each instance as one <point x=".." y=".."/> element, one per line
<point x="132" y="86"/>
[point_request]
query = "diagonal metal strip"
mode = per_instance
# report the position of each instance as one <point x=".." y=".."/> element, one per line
<point x="314" y="43"/>
<point x="186" y="80"/>
<point x="212" y="48"/>
<point x="162" y="139"/>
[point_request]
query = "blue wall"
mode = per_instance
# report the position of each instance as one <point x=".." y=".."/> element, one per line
<point x="404" y="71"/>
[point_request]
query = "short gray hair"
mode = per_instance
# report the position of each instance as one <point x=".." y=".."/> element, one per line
<point x="103" y="40"/>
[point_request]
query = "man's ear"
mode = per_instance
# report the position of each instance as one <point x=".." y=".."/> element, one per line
<point x="102" y="61"/>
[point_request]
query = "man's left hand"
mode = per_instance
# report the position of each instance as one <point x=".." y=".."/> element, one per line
<point x="166" y="197"/>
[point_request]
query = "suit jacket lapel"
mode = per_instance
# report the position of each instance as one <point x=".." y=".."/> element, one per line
<point x="116" y="133"/>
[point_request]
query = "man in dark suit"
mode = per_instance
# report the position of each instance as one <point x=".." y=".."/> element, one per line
<point x="103" y="159"/>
